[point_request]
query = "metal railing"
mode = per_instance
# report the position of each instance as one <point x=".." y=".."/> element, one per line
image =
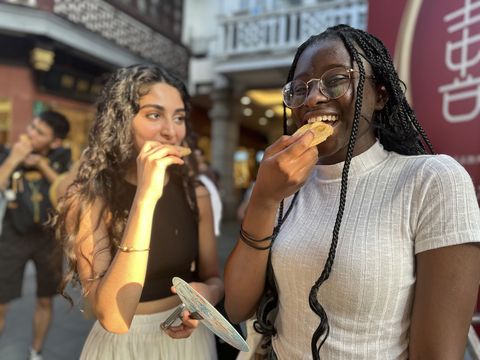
<point x="286" y="28"/>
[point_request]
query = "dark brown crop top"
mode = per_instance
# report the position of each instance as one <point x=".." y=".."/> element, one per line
<point x="174" y="241"/>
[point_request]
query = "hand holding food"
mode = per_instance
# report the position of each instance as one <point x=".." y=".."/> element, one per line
<point x="184" y="151"/>
<point x="321" y="131"/>
<point x="285" y="166"/>
<point x="152" y="162"/>
<point x="21" y="149"/>
<point x="24" y="138"/>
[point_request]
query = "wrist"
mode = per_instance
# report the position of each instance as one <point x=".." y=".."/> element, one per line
<point x="258" y="201"/>
<point x="216" y="290"/>
<point x="12" y="162"/>
<point x="42" y="164"/>
<point x="143" y="200"/>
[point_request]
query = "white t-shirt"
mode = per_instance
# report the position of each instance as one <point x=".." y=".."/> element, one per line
<point x="396" y="206"/>
<point x="216" y="201"/>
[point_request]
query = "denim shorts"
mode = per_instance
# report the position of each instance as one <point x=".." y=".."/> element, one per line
<point x="15" y="250"/>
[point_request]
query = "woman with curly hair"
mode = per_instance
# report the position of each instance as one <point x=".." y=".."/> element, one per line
<point x="376" y="255"/>
<point x="135" y="217"/>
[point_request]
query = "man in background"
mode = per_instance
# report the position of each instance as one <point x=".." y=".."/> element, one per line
<point x="26" y="172"/>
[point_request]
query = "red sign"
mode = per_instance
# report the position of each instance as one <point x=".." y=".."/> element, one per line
<point x="436" y="45"/>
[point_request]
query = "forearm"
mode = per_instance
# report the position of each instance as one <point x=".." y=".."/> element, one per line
<point x="48" y="172"/>
<point x="119" y="291"/>
<point x="6" y="169"/>
<point x="217" y="290"/>
<point x="245" y="271"/>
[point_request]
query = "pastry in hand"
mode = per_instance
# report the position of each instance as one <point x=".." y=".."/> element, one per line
<point x="184" y="151"/>
<point x="321" y="131"/>
<point x="24" y="138"/>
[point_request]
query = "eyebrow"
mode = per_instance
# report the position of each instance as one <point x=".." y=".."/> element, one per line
<point x="36" y="128"/>
<point x="331" y="66"/>
<point x="159" y="107"/>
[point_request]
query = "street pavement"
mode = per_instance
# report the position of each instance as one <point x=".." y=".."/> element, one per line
<point x="69" y="328"/>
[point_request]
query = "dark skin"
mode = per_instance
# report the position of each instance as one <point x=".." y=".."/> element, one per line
<point x="287" y="164"/>
<point x="447" y="278"/>
<point x="313" y="63"/>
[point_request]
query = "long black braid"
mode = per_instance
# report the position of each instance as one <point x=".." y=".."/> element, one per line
<point x="397" y="129"/>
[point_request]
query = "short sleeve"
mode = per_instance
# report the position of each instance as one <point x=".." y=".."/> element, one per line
<point x="3" y="154"/>
<point x="448" y="212"/>
<point x="60" y="159"/>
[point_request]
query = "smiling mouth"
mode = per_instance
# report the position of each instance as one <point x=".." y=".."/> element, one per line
<point x="329" y="119"/>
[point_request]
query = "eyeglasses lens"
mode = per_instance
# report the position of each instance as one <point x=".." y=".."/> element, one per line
<point x="333" y="84"/>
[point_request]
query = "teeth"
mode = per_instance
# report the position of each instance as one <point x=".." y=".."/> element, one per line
<point x="323" y="118"/>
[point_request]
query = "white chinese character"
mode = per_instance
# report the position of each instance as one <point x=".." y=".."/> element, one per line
<point x="467" y="87"/>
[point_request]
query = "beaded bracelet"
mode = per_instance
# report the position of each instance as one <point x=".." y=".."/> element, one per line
<point x="252" y="242"/>
<point x="128" y="249"/>
<point x="249" y="237"/>
<point x="253" y="245"/>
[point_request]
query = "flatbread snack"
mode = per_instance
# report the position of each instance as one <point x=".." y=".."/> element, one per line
<point x="24" y="138"/>
<point x="184" y="151"/>
<point x="320" y="130"/>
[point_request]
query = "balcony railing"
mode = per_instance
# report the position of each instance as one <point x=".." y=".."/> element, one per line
<point x="101" y="17"/>
<point x="285" y="29"/>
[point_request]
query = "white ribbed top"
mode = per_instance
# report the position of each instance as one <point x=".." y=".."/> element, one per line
<point x="396" y="206"/>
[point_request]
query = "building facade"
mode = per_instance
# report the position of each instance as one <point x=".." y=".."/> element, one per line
<point x="55" y="54"/>
<point x="234" y="55"/>
<point x="240" y="58"/>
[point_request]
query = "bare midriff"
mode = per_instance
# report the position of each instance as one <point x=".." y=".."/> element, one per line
<point x="155" y="306"/>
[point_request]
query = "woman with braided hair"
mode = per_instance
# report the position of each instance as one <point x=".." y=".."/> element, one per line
<point x="375" y="251"/>
<point x="135" y="217"/>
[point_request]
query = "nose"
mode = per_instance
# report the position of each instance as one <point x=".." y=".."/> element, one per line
<point x="31" y="131"/>
<point x="314" y="94"/>
<point x="167" y="131"/>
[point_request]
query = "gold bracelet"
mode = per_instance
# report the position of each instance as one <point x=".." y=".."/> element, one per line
<point x="131" y="249"/>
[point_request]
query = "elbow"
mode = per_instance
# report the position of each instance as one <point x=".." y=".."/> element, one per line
<point x="237" y="318"/>
<point x="234" y="313"/>
<point x="234" y="318"/>
<point x="113" y="325"/>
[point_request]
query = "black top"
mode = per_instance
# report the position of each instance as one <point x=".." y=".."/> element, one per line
<point x="31" y="206"/>
<point x="174" y="240"/>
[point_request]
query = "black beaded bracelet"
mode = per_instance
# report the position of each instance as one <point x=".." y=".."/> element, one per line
<point x="249" y="240"/>
<point x="249" y="237"/>
<point x="252" y="244"/>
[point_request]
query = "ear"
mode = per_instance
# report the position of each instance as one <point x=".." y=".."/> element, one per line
<point x="56" y="143"/>
<point x="382" y="97"/>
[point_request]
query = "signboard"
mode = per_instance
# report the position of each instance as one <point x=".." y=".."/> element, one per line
<point x="436" y="46"/>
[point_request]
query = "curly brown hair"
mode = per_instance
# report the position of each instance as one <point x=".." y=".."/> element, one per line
<point x="110" y="152"/>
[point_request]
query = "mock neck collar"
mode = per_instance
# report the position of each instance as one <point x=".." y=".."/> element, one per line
<point x="359" y="165"/>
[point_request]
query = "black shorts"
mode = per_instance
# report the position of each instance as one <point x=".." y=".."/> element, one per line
<point x="15" y="250"/>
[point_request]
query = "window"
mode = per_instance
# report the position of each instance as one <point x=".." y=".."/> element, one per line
<point x="5" y="120"/>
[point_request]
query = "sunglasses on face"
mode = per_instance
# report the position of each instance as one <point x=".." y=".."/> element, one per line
<point x="334" y="83"/>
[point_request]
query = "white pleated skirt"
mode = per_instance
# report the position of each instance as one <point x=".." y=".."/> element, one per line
<point x="146" y="340"/>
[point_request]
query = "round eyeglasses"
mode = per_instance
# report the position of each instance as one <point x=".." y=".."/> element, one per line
<point x="333" y="84"/>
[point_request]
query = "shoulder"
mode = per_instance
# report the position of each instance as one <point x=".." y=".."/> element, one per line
<point x="201" y="191"/>
<point x="76" y="207"/>
<point x="445" y="205"/>
<point x="207" y="182"/>
<point x="60" y="158"/>
<point x="429" y="167"/>
<point x="444" y="169"/>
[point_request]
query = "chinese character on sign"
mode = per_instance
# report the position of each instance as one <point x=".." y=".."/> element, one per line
<point x="462" y="54"/>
